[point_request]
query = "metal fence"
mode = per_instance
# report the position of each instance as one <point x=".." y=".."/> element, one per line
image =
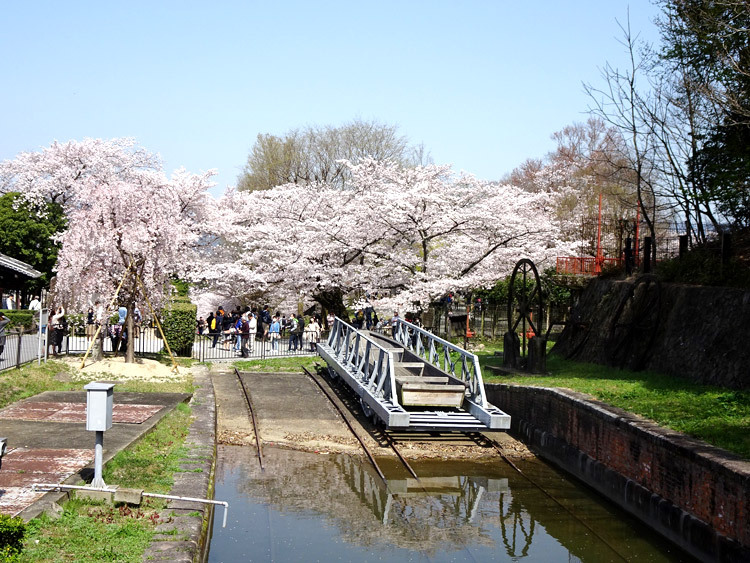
<point x="218" y="346"/>
<point x="205" y="348"/>
<point x="489" y="322"/>
<point x="20" y="348"/>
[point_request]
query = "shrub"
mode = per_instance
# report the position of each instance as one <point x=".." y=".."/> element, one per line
<point x="178" y="324"/>
<point x="12" y="531"/>
<point x="20" y="318"/>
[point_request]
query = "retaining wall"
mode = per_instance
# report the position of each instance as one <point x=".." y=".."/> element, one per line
<point x="696" y="495"/>
<point x="694" y="332"/>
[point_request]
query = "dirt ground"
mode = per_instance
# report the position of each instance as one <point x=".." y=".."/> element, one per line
<point x="116" y="369"/>
<point x="292" y="412"/>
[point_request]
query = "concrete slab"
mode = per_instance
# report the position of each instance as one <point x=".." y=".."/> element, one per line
<point x="74" y="412"/>
<point x="50" y="451"/>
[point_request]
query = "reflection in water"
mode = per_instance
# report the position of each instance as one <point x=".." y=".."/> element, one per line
<point x="308" y="507"/>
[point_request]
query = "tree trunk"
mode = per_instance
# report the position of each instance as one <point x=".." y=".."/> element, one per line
<point x="130" y="351"/>
<point x="332" y="300"/>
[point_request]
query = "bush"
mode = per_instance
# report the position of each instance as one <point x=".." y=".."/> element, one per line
<point x="178" y="324"/>
<point x="19" y="318"/>
<point x="12" y="531"/>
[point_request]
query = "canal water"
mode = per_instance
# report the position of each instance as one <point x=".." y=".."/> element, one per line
<point x="316" y="507"/>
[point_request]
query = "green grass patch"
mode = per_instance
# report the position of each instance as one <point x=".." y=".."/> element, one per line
<point x="91" y="531"/>
<point x="272" y="365"/>
<point x="150" y="463"/>
<point x="17" y="384"/>
<point x="716" y="415"/>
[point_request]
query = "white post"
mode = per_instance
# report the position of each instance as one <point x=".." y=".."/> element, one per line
<point x="98" y="482"/>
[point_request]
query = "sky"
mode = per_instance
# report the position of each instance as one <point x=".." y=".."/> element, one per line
<point x="482" y="84"/>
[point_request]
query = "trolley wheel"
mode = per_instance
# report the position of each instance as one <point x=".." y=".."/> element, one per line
<point x="367" y="409"/>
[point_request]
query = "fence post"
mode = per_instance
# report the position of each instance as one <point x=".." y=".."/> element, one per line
<point x="18" y="349"/>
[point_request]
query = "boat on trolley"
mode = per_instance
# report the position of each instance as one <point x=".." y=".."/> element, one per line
<point x="411" y="380"/>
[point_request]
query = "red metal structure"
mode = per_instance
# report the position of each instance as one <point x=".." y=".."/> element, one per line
<point x="614" y="231"/>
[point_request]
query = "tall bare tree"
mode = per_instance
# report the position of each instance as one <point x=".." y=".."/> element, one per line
<point x="316" y="154"/>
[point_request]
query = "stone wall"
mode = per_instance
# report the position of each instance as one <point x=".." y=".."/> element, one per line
<point x="699" y="333"/>
<point x="694" y="494"/>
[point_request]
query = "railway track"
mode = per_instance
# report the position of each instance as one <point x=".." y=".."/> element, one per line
<point x="346" y="416"/>
<point x="258" y="444"/>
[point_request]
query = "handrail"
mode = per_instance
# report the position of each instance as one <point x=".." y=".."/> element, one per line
<point x="366" y="358"/>
<point x="437" y="352"/>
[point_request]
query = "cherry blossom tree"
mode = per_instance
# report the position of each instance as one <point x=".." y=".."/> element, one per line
<point x="413" y="234"/>
<point x="124" y="216"/>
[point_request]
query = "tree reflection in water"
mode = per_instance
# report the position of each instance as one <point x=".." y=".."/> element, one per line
<point x="481" y="509"/>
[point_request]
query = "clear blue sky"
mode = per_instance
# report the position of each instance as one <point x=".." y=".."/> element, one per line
<point x="482" y="83"/>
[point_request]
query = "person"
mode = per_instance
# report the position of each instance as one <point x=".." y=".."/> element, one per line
<point x="312" y="331"/>
<point x="293" y="324"/>
<point x="274" y="333"/>
<point x="394" y="322"/>
<point x="59" y="327"/>
<point x="137" y="320"/>
<point x="237" y="317"/>
<point x="216" y="328"/>
<point x="330" y="319"/>
<point x="202" y="327"/>
<point x="3" y="322"/>
<point x="267" y="320"/>
<point x="261" y="327"/>
<point x="252" y="330"/>
<point x="210" y="324"/>
<point x="244" y="334"/>
<point x="227" y="326"/>
<point x="35" y="304"/>
<point x="90" y="327"/>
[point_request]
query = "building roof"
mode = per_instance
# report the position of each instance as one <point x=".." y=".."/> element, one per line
<point x="18" y="266"/>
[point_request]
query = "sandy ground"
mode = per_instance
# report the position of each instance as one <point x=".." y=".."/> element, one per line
<point x="116" y="369"/>
<point x="292" y="413"/>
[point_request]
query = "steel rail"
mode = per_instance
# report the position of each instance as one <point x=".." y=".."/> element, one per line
<point x="392" y="444"/>
<point x="349" y="424"/>
<point x="499" y="450"/>
<point x="255" y="420"/>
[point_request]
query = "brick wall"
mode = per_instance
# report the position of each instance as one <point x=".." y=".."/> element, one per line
<point x="696" y="495"/>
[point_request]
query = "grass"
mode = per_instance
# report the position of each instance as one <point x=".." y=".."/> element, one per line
<point x="30" y="380"/>
<point x="17" y="384"/>
<point x="716" y="415"/>
<point x="293" y="364"/>
<point x="91" y="531"/>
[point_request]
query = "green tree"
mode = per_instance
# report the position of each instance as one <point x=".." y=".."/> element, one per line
<point x="709" y="44"/>
<point x="29" y="236"/>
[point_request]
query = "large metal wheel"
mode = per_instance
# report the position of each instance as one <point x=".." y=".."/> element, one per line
<point x="525" y="295"/>
<point x="634" y="324"/>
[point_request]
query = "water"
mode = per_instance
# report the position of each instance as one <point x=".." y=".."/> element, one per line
<point x="311" y="507"/>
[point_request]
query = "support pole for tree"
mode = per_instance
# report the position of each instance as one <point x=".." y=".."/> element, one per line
<point x="111" y="304"/>
<point x="158" y="324"/>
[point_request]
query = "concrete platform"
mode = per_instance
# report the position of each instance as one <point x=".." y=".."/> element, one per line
<point x="48" y="441"/>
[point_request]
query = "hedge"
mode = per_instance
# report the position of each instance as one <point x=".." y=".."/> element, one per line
<point x="19" y="318"/>
<point x="12" y="531"/>
<point x="178" y="324"/>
